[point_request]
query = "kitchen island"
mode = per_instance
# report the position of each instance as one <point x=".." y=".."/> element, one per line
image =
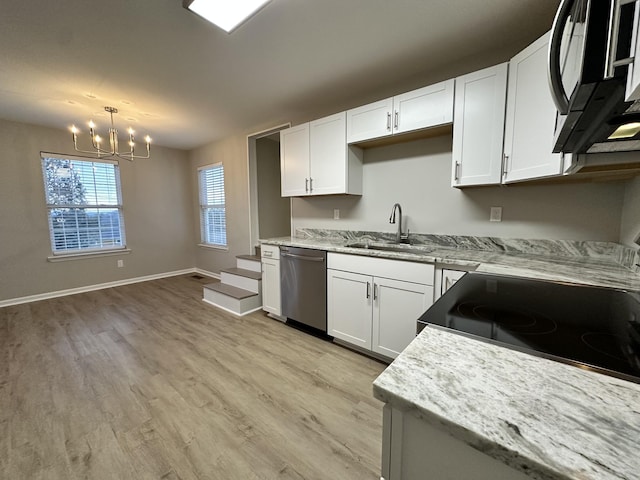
<point x="544" y="418"/>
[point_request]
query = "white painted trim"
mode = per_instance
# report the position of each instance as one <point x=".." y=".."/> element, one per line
<point x="207" y="273"/>
<point x="236" y="314"/>
<point x="93" y="254"/>
<point x="223" y="248"/>
<point x="90" y="288"/>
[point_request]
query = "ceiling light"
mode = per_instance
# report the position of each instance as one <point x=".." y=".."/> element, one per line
<point x="627" y="130"/>
<point x="226" y="14"/>
<point x="113" y="151"/>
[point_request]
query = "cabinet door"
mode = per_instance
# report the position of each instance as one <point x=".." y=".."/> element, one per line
<point x="349" y="297"/>
<point x="426" y="107"/>
<point x="294" y="160"/>
<point x="328" y="155"/>
<point x="633" y="78"/>
<point x="530" y="121"/>
<point x="271" y="286"/>
<point x="449" y="278"/>
<point x="478" y="129"/>
<point x="396" y="308"/>
<point x="369" y="121"/>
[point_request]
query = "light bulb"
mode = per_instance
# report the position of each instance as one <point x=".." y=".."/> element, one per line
<point x="98" y="139"/>
<point x="74" y="129"/>
<point x="147" y="139"/>
<point x="91" y="124"/>
<point x="131" y="131"/>
<point x="132" y="144"/>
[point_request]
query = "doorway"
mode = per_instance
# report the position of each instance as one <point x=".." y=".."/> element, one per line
<point x="270" y="214"/>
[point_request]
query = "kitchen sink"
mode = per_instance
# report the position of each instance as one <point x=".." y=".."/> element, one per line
<point x="389" y="247"/>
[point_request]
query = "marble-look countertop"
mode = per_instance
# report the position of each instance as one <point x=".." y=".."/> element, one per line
<point x="548" y="419"/>
<point x="545" y="418"/>
<point x="588" y="270"/>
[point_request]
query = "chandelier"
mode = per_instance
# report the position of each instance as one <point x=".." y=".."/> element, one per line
<point x="113" y="150"/>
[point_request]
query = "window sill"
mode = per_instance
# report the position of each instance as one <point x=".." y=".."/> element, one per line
<point x="78" y="256"/>
<point x="214" y="247"/>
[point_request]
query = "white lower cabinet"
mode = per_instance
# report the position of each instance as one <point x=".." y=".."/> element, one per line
<point x="373" y="303"/>
<point x="415" y="448"/>
<point x="271" y="279"/>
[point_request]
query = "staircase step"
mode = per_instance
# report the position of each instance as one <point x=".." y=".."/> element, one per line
<point x="255" y="258"/>
<point x="249" y="262"/>
<point x="242" y="272"/>
<point x="232" y="299"/>
<point x="230" y="290"/>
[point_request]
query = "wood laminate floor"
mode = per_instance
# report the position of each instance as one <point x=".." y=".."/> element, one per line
<point x="146" y="381"/>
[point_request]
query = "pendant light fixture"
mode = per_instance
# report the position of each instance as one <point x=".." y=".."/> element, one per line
<point x="101" y="150"/>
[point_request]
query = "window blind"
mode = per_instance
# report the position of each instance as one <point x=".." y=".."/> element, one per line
<point x="213" y="222"/>
<point x="84" y="204"/>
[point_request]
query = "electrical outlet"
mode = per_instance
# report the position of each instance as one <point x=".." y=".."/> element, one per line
<point x="496" y="214"/>
<point x="336" y="214"/>
<point x="120" y="263"/>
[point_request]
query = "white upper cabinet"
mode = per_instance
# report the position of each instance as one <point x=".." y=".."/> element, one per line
<point x="633" y="78"/>
<point x="370" y="121"/>
<point x="294" y="160"/>
<point x="423" y="108"/>
<point x="530" y="120"/>
<point x="316" y="160"/>
<point x="478" y="127"/>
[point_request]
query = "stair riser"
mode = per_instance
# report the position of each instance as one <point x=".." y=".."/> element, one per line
<point x="241" y="282"/>
<point x="233" y="305"/>
<point x="249" y="265"/>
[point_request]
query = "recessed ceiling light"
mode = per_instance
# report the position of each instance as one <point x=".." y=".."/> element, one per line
<point x="90" y="95"/>
<point x="226" y="14"/>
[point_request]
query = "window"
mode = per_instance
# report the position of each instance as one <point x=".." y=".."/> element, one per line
<point x="213" y="218"/>
<point x="84" y="204"/>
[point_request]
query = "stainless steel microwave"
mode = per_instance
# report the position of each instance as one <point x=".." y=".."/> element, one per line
<point x="589" y="53"/>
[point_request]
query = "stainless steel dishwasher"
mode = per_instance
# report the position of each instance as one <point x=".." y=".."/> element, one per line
<point x="303" y="281"/>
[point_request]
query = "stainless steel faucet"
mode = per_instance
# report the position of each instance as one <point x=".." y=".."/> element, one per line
<point x="400" y="237"/>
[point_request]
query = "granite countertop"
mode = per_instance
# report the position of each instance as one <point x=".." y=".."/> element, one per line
<point x="548" y="419"/>
<point x="580" y="268"/>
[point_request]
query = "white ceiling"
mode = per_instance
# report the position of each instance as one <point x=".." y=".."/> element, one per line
<point x="188" y="83"/>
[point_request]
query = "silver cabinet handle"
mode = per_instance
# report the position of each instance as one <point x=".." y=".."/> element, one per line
<point x="306" y="185"/>
<point x="389" y="121"/>
<point x="375" y="291"/>
<point x="505" y="164"/>
<point x="310" y="184"/>
<point x="553" y="65"/>
<point x="456" y="172"/>
<point x="612" y="42"/>
<point x="395" y="121"/>
<point x="368" y="290"/>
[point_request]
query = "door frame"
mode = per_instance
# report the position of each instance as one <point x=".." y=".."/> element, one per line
<point x="252" y="179"/>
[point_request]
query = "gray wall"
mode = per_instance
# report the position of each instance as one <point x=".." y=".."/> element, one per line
<point x="630" y="225"/>
<point x="274" y="211"/>
<point x="232" y="152"/>
<point x="157" y="214"/>
<point x="418" y="176"/>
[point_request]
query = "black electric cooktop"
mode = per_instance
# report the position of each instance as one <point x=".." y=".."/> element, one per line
<point x="597" y="328"/>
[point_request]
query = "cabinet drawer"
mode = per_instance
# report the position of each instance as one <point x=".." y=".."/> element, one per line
<point x="270" y="251"/>
<point x="382" y="267"/>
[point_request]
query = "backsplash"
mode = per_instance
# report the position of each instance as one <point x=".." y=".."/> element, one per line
<point x="607" y="251"/>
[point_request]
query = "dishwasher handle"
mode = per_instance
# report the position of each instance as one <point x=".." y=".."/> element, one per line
<point x="302" y="257"/>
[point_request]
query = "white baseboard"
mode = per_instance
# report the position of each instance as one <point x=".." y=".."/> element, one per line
<point x="100" y="286"/>
<point x="206" y="273"/>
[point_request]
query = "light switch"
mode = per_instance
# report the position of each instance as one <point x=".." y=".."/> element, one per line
<point x="336" y="214"/>
<point x="496" y="214"/>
